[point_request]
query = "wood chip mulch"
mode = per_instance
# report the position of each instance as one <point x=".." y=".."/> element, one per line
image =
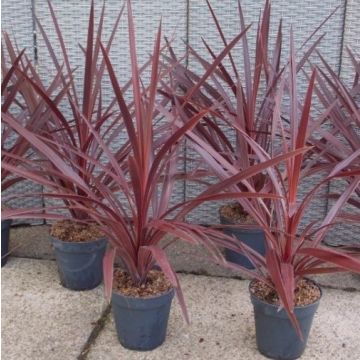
<point x="156" y="284"/>
<point x="306" y="293"/>
<point x="71" y="231"/>
<point x="234" y="213"/>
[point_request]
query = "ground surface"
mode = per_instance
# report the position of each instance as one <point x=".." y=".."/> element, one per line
<point x="43" y="320"/>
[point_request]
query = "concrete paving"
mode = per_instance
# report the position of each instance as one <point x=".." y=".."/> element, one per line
<point x="42" y="320"/>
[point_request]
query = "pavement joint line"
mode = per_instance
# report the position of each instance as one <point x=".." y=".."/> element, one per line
<point x="99" y="326"/>
<point x="33" y="258"/>
<point x="205" y="273"/>
<point x="236" y="277"/>
<point x="346" y="289"/>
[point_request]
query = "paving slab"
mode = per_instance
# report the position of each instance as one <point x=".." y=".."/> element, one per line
<point x="41" y="320"/>
<point x="223" y="326"/>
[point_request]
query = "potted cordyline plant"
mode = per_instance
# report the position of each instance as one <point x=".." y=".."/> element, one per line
<point x="284" y="299"/>
<point x="79" y="246"/>
<point x="248" y="105"/>
<point x="339" y="140"/>
<point x="135" y="212"/>
<point x="21" y="102"/>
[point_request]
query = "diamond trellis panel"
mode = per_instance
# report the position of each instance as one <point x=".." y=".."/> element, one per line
<point x="304" y="16"/>
<point x="73" y="20"/>
<point x="17" y="21"/>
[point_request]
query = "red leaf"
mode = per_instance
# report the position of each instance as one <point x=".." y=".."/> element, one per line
<point x="283" y="285"/>
<point x="163" y="262"/>
<point x="88" y="76"/>
<point x="342" y="260"/>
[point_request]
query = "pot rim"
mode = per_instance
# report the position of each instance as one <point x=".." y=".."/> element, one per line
<point x="6" y="221"/>
<point x="74" y="243"/>
<point x="171" y="290"/>
<point x="115" y="293"/>
<point x="239" y="226"/>
<point x="243" y="228"/>
<point x="295" y="307"/>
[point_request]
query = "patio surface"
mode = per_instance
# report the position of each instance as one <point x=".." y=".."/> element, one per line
<point x="43" y="320"/>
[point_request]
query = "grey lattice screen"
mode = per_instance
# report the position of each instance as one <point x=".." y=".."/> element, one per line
<point x="349" y="234"/>
<point x="17" y="20"/>
<point x="189" y="20"/>
<point x="305" y="16"/>
<point x="74" y="27"/>
<point x="351" y="37"/>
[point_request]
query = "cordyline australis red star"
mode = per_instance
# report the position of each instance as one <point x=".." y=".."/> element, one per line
<point x="253" y="110"/>
<point x="127" y="189"/>
<point x="238" y="103"/>
<point x="292" y="251"/>
<point x="144" y="177"/>
<point x="21" y="102"/>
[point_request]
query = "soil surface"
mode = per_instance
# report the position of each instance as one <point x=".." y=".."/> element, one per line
<point x="306" y="293"/>
<point x="71" y="231"/>
<point x="235" y="213"/>
<point x="156" y="284"/>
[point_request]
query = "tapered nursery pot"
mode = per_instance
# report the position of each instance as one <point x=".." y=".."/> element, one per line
<point x="79" y="263"/>
<point x="276" y="337"/>
<point x="252" y="237"/>
<point x="141" y="323"/>
<point x="5" y="234"/>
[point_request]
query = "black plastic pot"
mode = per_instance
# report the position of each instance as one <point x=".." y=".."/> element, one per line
<point x="5" y="233"/>
<point x="253" y="237"/>
<point x="80" y="263"/>
<point x="141" y="323"/>
<point x="276" y="337"/>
